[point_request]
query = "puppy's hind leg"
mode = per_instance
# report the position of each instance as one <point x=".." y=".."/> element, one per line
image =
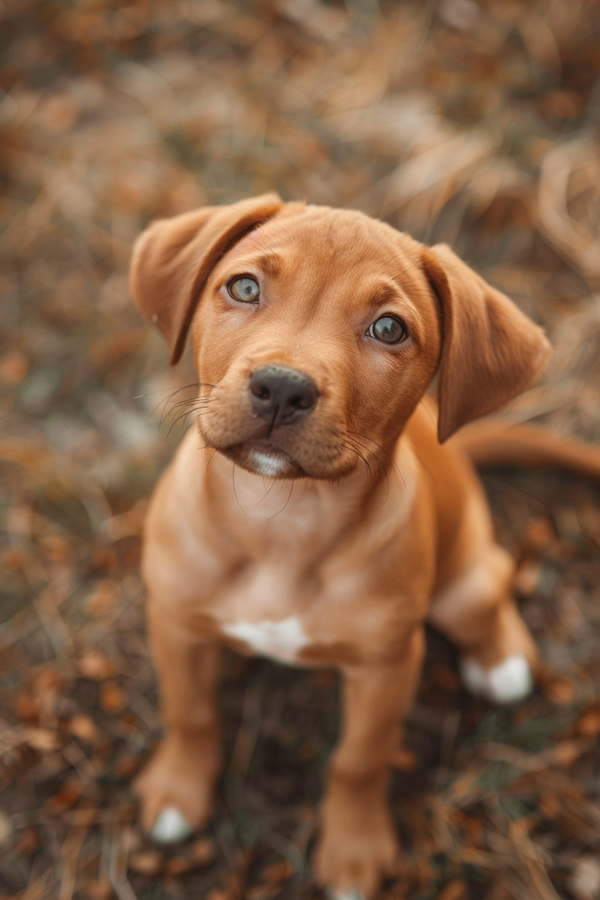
<point x="478" y="614"/>
<point x="176" y="787"/>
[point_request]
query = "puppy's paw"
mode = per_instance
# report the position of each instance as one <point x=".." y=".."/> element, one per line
<point x="175" y="791"/>
<point x="170" y="827"/>
<point x="508" y="682"/>
<point x="351" y="863"/>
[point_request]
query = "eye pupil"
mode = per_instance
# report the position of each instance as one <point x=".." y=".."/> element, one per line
<point x="389" y="330"/>
<point x="244" y="288"/>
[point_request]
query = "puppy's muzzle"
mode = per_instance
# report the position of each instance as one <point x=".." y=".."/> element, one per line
<point x="281" y="395"/>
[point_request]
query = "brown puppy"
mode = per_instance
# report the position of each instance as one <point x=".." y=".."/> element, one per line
<point x="331" y="523"/>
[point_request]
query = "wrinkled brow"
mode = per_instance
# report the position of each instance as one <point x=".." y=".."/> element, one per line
<point x="269" y="262"/>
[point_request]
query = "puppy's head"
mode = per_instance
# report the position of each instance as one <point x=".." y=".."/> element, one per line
<point x="318" y="330"/>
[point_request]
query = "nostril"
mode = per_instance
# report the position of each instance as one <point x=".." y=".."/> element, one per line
<point x="261" y="391"/>
<point x="301" y="401"/>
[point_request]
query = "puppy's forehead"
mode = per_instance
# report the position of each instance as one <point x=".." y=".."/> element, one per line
<point x="331" y="240"/>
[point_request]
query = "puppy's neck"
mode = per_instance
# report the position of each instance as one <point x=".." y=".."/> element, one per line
<point x="231" y="493"/>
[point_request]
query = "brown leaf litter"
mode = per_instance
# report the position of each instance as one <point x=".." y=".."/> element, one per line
<point x="473" y="122"/>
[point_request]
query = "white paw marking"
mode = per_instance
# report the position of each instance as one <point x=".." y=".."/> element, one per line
<point x="507" y="682"/>
<point x="267" y="464"/>
<point x="282" y="639"/>
<point x="170" y="826"/>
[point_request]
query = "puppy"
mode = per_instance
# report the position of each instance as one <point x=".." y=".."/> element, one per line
<point x="333" y="521"/>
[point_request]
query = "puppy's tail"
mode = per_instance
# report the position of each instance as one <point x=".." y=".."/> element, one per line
<point x="493" y="443"/>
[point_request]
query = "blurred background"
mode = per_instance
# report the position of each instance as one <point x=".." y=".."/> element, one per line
<point x="474" y="122"/>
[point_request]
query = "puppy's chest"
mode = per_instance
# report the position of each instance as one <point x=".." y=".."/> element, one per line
<point x="311" y="589"/>
<point x="269" y="610"/>
<point x="303" y="620"/>
<point x="280" y="639"/>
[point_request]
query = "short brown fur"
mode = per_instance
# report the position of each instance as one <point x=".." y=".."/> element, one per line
<point x="371" y="526"/>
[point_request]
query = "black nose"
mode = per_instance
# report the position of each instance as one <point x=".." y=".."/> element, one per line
<point x="282" y="395"/>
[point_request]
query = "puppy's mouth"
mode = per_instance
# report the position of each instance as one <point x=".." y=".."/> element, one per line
<point x="263" y="457"/>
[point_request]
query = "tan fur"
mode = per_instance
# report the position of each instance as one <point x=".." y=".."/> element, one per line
<point x="496" y="443"/>
<point x="354" y="552"/>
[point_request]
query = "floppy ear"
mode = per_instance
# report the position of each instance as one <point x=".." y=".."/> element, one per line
<point x="491" y="351"/>
<point x="173" y="259"/>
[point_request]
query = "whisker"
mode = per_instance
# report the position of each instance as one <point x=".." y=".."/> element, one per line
<point x="210" y="459"/>
<point x="176" y="391"/>
<point x="173" y="393"/>
<point x="381" y="466"/>
<point x="166" y="412"/>
<point x="235" y="490"/>
<point x="184" y="415"/>
<point x="358" y="454"/>
<point x="383" y="450"/>
<point x="267" y="492"/>
<point x="178" y="419"/>
<point x="284" y="505"/>
<point x="200" y="407"/>
<point x="181" y="403"/>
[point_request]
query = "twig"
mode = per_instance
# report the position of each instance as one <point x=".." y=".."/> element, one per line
<point x="117" y="870"/>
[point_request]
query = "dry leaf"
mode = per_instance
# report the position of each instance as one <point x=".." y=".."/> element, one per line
<point x="96" y="666"/>
<point x="68" y="796"/>
<point x="202" y="851"/>
<point x="14" y="366"/>
<point x="41" y="739"/>
<point x="277" y="872"/>
<point x="588" y="724"/>
<point x="100" y="890"/>
<point x="146" y="862"/>
<point x="112" y="698"/>
<point x="454" y="890"/>
<point x="6" y="829"/>
<point x="82" y="727"/>
<point x="27" y="707"/>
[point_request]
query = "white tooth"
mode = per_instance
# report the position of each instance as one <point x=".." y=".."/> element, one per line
<point x="170" y="826"/>
<point x="507" y="682"/>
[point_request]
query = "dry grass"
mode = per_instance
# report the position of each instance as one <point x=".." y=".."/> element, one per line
<point x="471" y="123"/>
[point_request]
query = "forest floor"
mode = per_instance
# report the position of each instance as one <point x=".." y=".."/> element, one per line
<point x="474" y="123"/>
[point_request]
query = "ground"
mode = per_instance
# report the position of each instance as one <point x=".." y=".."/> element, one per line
<point x="465" y="122"/>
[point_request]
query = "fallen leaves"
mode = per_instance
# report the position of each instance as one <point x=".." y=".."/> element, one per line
<point x="465" y="122"/>
<point x="82" y="726"/>
<point x="6" y="829"/>
<point x="41" y="739"/>
<point x="96" y="666"/>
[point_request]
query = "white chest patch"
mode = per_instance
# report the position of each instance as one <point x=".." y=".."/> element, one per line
<point x="281" y="640"/>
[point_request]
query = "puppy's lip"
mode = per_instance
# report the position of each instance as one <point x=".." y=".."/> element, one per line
<point x="264" y="457"/>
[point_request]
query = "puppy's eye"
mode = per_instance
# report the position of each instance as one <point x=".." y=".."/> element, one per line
<point x="244" y="288"/>
<point x="388" y="329"/>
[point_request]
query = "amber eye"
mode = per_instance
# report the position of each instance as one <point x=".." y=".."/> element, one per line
<point x="244" y="288"/>
<point x="388" y="329"/>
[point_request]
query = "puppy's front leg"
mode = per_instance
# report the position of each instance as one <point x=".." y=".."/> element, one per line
<point x="358" y="844"/>
<point x="176" y="788"/>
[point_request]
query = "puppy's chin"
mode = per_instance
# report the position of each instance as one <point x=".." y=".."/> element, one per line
<point x="264" y="458"/>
